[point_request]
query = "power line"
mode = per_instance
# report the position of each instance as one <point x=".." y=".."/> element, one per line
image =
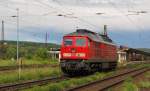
<point x="75" y="17"/>
<point x="51" y="7"/>
<point x="58" y="2"/>
<point x="7" y="6"/>
<point x="12" y="22"/>
<point x="35" y="34"/>
<point x="30" y="15"/>
<point x="66" y="15"/>
<point x="137" y="26"/>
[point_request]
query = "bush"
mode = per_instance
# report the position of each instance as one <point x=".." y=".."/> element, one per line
<point x="145" y="84"/>
<point x="26" y="74"/>
<point x="129" y="85"/>
<point x="27" y="52"/>
<point x="41" y="54"/>
<point x="65" y="84"/>
<point x="55" y="87"/>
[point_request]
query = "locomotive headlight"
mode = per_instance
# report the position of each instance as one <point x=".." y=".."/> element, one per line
<point x="80" y="54"/>
<point x="67" y="54"/>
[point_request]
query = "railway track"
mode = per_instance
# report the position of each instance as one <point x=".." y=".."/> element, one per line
<point x="139" y="62"/>
<point x="108" y="82"/>
<point x="9" y="68"/>
<point x="28" y="84"/>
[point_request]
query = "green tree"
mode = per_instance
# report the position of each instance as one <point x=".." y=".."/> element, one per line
<point x="41" y="53"/>
<point x="10" y="53"/>
<point x="29" y="52"/>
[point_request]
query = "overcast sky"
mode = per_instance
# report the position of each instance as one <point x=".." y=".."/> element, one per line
<point x="128" y="20"/>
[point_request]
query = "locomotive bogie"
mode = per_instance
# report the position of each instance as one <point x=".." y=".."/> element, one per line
<point x="85" y="67"/>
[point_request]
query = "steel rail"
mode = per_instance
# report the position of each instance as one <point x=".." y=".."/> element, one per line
<point x="28" y="84"/>
<point x="7" y="68"/>
<point x="108" y="82"/>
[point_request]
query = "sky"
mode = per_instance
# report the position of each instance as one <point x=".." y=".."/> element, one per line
<point x="127" y="20"/>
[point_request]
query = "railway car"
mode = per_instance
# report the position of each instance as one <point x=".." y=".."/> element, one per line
<point x="85" y="51"/>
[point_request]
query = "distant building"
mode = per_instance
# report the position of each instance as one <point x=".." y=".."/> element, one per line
<point x="129" y="54"/>
<point x="122" y="56"/>
<point x="54" y="53"/>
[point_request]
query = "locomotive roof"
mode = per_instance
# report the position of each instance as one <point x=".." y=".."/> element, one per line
<point x="92" y="35"/>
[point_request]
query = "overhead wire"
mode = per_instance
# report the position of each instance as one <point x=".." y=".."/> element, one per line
<point x="49" y="6"/>
<point x="66" y="13"/>
<point x="82" y="20"/>
<point x="137" y="26"/>
<point x="23" y="31"/>
<point x="60" y="10"/>
<point x="3" y="5"/>
<point x="75" y="17"/>
<point x="124" y="15"/>
<point x="14" y="9"/>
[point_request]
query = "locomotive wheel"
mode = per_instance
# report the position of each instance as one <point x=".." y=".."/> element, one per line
<point x="72" y="69"/>
<point x="77" y="68"/>
<point x="112" y="66"/>
<point x="72" y="73"/>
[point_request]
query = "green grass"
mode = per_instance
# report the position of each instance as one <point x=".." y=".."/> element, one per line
<point x="147" y="75"/>
<point x="26" y="74"/>
<point x="128" y="85"/>
<point x="69" y="83"/>
<point x="27" y="62"/>
<point x="145" y="84"/>
<point x="119" y="66"/>
<point x="137" y="65"/>
<point x="7" y="62"/>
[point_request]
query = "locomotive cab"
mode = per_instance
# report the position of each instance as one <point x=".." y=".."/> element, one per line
<point x="75" y="48"/>
<point x="74" y="52"/>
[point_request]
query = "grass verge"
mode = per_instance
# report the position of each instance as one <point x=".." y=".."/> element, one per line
<point x="128" y="85"/>
<point x="145" y="84"/>
<point x="29" y="74"/>
<point x="27" y="62"/>
<point x="63" y="85"/>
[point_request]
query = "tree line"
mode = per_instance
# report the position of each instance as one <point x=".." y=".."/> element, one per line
<point x="26" y="50"/>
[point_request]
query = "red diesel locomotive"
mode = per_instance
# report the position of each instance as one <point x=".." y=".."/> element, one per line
<point x="86" y="51"/>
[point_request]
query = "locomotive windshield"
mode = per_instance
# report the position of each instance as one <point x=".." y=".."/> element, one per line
<point x="68" y="42"/>
<point x="80" y="42"/>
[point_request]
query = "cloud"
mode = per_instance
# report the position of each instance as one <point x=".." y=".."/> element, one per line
<point x="64" y="16"/>
<point x="44" y="13"/>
